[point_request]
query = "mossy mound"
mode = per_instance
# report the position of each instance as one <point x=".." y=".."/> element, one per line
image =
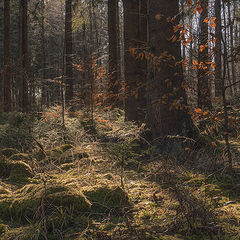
<point x="15" y="171"/>
<point x="20" y="172"/>
<point x="8" y="152"/>
<point x="27" y="202"/>
<point x="105" y="199"/>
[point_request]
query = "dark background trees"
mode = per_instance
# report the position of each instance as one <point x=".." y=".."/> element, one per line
<point x="136" y="55"/>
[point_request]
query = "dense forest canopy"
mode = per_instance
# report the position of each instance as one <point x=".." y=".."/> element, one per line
<point x="119" y="119"/>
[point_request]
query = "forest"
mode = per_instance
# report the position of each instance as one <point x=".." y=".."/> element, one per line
<point x="119" y="120"/>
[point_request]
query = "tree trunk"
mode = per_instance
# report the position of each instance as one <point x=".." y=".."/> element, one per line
<point x="135" y="36"/>
<point x="114" y="57"/>
<point x="68" y="52"/>
<point x="204" y="93"/>
<point x="231" y="24"/>
<point x="218" y="49"/>
<point x="44" y="100"/>
<point x="7" y="61"/>
<point x="167" y="105"/>
<point x="24" y="56"/>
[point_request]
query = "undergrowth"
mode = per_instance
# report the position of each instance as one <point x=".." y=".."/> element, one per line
<point x="101" y="179"/>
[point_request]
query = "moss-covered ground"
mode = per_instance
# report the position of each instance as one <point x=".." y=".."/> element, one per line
<point x="102" y="180"/>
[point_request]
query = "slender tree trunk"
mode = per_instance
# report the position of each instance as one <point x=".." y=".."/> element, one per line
<point x="231" y="24"/>
<point x="113" y="62"/>
<point x="7" y="61"/>
<point x="44" y="99"/>
<point x="218" y="49"/>
<point x="24" y="55"/>
<point x="204" y="93"/>
<point x="226" y="44"/>
<point x="167" y="114"/>
<point x="135" y="37"/>
<point x="68" y="52"/>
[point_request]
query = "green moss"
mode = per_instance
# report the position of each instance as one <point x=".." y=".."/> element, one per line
<point x="20" y="172"/>
<point x="26" y="202"/>
<point x="3" y="228"/>
<point x="106" y="199"/>
<point x="196" y="181"/>
<point x="68" y="198"/>
<point x="15" y="171"/>
<point x="21" y="233"/>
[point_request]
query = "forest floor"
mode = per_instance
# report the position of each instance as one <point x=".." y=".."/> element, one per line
<point x="101" y="180"/>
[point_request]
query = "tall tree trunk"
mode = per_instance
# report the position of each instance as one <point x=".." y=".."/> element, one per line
<point x="231" y="24"/>
<point x="114" y="57"/>
<point x="44" y="99"/>
<point x="226" y="47"/>
<point x="68" y="52"/>
<point x="24" y="55"/>
<point x="167" y="114"/>
<point x="204" y="93"/>
<point x="135" y="36"/>
<point x="218" y="49"/>
<point x="7" y="61"/>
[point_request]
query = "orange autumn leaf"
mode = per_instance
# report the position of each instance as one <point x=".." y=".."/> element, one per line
<point x="214" y="144"/>
<point x="195" y="62"/>
<point x="206" y="20"/>
<point x="198" y="9"/>
<point x="213" y="25"/>
<point x="202" y="47"/>
<point x="174" y="39"/>
<point x="213" y="65"/>
<point x="189" y="3"/>
<point x="198" y="110"/>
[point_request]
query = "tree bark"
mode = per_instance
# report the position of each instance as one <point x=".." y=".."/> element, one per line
<point x="24" y="55"/>
<point x="44" y="100"/>
<point x="218" y="49"/>
<point x="7" y="61"/>
<point x="204" y="93"/>
<point x="114" y="56"/>
<point x="135" y="70"/>
<point x="68" y="52"/>
<point x="167" y="105"/>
